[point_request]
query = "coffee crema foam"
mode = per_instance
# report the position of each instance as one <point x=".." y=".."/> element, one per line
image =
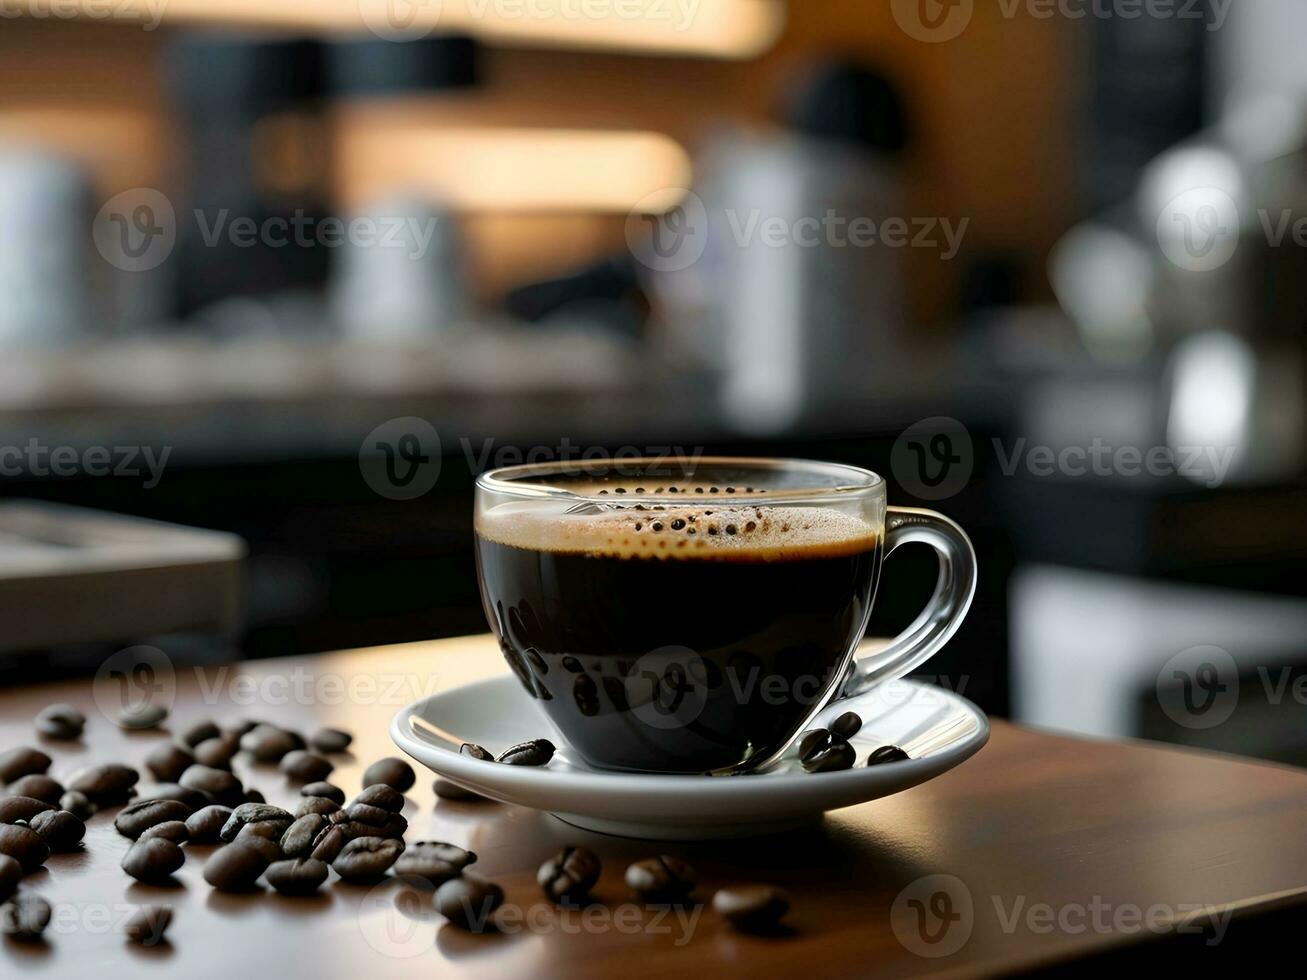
<point x="704" y="530"/>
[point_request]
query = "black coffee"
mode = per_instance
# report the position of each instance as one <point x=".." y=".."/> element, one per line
<point x="681" y="636"/>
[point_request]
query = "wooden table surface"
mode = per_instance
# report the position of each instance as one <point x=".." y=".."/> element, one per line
<point x="1053" y="848"/>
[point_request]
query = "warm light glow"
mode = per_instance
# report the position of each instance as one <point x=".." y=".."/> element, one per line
<point x="502" y="170"/>
<point x="709" y="28"/>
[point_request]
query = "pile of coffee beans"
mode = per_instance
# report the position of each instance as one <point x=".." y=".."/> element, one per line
<point x="829" y="750"/>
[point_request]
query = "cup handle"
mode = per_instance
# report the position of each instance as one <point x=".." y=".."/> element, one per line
<point x="942" y="615"/>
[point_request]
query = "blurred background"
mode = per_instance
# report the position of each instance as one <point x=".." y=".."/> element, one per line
<point x="293" y="274"/>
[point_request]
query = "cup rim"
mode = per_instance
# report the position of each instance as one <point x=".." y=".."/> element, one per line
<point x="504" y="480"/>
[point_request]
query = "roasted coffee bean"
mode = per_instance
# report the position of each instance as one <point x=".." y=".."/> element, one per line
<point x="254" y="796"/>
<point x="298" y="839"/>
<point x="205" y="824"/>
<point x="373" y="816"/>
<point x="536" y="752"/>
<point x="22" y="761"/>
<point x="886" y="753"/>
<point x="15" y="808"/>
<point x="200" y="731"/>
<point x="148" y="924"/>
<point x="751" y="908"/>
<point x="267" y="829"/>
<point x="219" y="785"/>
<point x="267" y="743"/>
<point x="316" y="804"/>
<point x="446" y="790"/>
<point x="250" y="813"/>
<point x="330" y="842"/>
<point x="216" y="753"/>
<point x="325" y="790"/>
<point x="809" y="741"/>
<point x="395" y="773"/>
<point x="383" y="796"/>
<point x="468" y="901"/>
<point x="194" y="798"/>
<point x="37" y="786"/>
<point x="474" y="751"/>
<point x="305" y="766"/>
<point x="662" y="879"/>
<point x="338" y="816"/>
<point x="300" y="876"/>
<point x="11" y="873"/>
<point x="140" y="717"/>
<point x="434" y="860"/>
<point x="168" y="761"/>
<point x="77" y="804"/>
<point x="269" y="848"/>
<point x="60" y="721"/>
<point x="153" y="860"/>
<point x="396" y="826"/>
<point x="235" y="867"/>
<point x="846" y="725"/>
<point x="25" y="917"/>
<point x="237" y="729"/>
<point x="106" y="784"/>
<point x="24" y="845"/>
<point x="569" y="875"/>
<point x="831" y="756"/>
<point x="330" y="740"/>
<point x="173" y="830"/>
<point x="62" y="831"/>
<point x="134" y="820"/>
<point x="367" y="858"/>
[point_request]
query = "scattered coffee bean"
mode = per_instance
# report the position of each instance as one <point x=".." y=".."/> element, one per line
<point x="216" y="753"/>
<point x="468" y="901"/>
<point x="77" y="804"/>
<point x="338" y="816"/>
<point x="810" y="740"/>
<point x="396" y="826"/>
<point x="173" y="830"/>
<point x="536" y="752"/>
<point x="62" y="830"/>
<point x="330" y="740"/>
<point x="383" y="796"/>
<point x="254" y="796"/>
<point x="168" y="761"/>
<point x="148" y="924"/>
<point x="220" y="785"/>
<point x="300" y="876"/>
<point x="434" y="860"/>
<point x="105" y="785"/>
<point x="60" y="721"/>
<point x="846" y="725"/>
<point x="886" y="753"/>
<point x="569" y="875"/>
<point x="25" y="917"/>
<point x="662" y="879"/>
<point x="22" y="761"/>
<point x="298" y="839"/>
<point x="236" y="867"/>
<point x="316" y="804"/>
<point x="330" y="843"/>
<point x="268" y="847"/>
<point x="11" y="873"/>
<point x="751" y="908"/>
<point x="373" y="816"/>
<point x="16" y="808"/>
<point x="267" y="743"/>
<point x="37" y="786"/>
<point x="305" y="766"/>
<point x="830" y="756"/>
<point x="24" y="845"/>
<point x="267" y="829"/>
<point x="237" y="729"/>
<point x="253" y="813"/>
<point x="472" y="750"/>
<point x="199" y="732"/>
<point x="153" y="860"/>
<point x="395" y="773"/>
<point x="205" y="824"/>
<point x="446" y="790"/>
<point x="367" y="858"/>
<point x="134" y="820"/>
<point x="141" y="717"/>
<point x="325" y="790"/>
<point x="193" y="798"/>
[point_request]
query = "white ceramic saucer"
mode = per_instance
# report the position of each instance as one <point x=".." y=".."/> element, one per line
<point x="937" y="728"/>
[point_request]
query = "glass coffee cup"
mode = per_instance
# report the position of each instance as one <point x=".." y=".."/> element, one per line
<point x="692" y="615"/>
